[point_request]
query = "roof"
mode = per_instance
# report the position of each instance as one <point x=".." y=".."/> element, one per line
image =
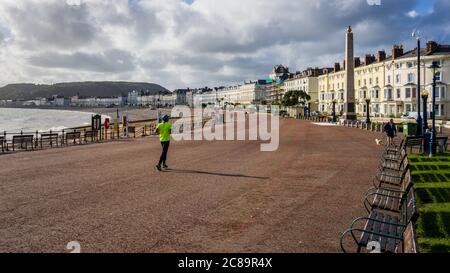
<point x="440" y="50"/>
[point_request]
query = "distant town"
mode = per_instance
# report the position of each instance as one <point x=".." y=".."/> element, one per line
<point x="385" y="84"/>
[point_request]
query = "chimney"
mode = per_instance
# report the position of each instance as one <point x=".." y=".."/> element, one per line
<point x="397" y="51"/>
<point x="432" y="46"/>
<point x="357" y="62"/>
<point x="381" y="56"/>
<point x="337" y="67"/>
<point x="370" y="59"/>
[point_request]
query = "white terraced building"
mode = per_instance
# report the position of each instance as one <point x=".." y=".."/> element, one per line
<point x="391" y="82"/>
<point x="246" y="94"/>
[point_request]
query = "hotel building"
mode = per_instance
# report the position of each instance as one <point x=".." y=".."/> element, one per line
<point x="390" y="82"/>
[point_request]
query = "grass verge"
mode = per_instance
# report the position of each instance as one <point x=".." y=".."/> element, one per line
<point x="431" y="177"/>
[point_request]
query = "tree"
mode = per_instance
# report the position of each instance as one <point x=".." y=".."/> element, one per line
<point x="293" y="98"/>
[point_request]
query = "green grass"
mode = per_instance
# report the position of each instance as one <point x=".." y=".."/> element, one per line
<point x="431" y="177"/>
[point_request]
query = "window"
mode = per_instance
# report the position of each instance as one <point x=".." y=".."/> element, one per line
<point x="365" y="82"/>
<point x="388" y="94"/>
<point x="440" y="109"/>
<point x="389" y="79"/>
<point x="376" y="108"/>
<point x="414" y="92"/>
<point x="442" y="92"/>
<point x="397" y="78"/>
<point x="370" y="81"/>
<point x="377" y="94"/>
<point x="408" y="93"/>
<point x="399" y="93"/>
<point x="409" y="65"/>
<point x="410" y="77"/>
<point x="359" y="82"/>
<point x="376" y="80"/>
<point x="438" y="76"/>
<point x="408" y="108"/>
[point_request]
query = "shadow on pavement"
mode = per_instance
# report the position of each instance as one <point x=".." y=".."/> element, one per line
<point x="217" y="174"/>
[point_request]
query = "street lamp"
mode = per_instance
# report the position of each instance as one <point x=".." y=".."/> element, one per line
<point x="309" y="109"/>
<point x="424" y="96"/>
<point x="434" y="67"/>
<point x="334" y="111"/>
<point x="416" y="34"/>
<point x="368" y="110"/>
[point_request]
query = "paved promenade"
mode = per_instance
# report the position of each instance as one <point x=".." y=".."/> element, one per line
<point x="219" y="197"/>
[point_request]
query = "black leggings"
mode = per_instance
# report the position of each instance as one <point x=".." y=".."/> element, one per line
<point x="165" y="148"/>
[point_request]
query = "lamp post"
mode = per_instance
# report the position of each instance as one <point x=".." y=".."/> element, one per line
<point x="416" y="35"/>
<point x="424" y="96"/>
<point x="334" y="111"/>
<point x="368" y="111"/>
<point x="309" y="109"/>
<point x="434" y="67"/>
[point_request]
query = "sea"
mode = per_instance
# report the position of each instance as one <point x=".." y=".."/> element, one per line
<point x="15" y="120"/>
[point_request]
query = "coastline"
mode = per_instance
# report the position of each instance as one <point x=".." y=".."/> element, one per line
<point x="134" y="113"/>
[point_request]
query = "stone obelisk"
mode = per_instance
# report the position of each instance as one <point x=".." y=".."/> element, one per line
<point x="349" y="95"/>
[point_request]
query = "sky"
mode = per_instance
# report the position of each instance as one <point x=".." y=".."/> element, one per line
<point x="196" y="43"/>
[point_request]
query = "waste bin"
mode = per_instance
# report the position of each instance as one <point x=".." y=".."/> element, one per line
<point x="409" y="129"/>
<point x="427" y="142"/>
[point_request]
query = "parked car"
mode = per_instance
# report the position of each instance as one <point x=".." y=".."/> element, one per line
<point x="410" y="115"/>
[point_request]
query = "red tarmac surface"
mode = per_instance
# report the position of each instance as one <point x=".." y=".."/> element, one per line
<point x="219" y="197"/>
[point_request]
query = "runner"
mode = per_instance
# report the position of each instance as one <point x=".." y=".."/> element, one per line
<point x="164" y="129"/>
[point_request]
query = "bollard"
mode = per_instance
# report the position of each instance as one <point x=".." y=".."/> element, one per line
<point x="36" y="142"/>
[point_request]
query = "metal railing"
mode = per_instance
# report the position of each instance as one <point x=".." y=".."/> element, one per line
<point x="12" y="141"/>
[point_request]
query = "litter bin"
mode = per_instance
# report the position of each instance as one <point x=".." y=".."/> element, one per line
<point x="427" y="142"/>
<point x="409" y="129"/>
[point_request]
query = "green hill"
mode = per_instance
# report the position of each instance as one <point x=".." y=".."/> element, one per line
<point x="88" y="89"/>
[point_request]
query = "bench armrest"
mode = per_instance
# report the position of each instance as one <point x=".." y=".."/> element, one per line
<point x="375" y="220"/>
<point x="367" y="204"/>
<point x="351" y="230"/>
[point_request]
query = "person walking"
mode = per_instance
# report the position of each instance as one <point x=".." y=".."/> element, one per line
<point x="164" y="129"/>
<point x="391" y="131"/>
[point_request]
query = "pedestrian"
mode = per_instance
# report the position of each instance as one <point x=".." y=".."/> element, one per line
<point x="165" y="130"/>
<point x="391" y="131"/>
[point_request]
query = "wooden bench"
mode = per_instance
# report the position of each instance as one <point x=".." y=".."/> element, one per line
<point x="387" y="198"/>
<point x="2" y="143"/>
<point x="441" y="144"/>
<point x="382" y="228"/>
<point x="392" y="178"/>
<point x="50" y="139"/>
<point x="23" y="140"/>
<point x="92" y="135"/>
<point x="414" y="142"/>
<point x="409" y="243"/>
<point x="72" y="136"/>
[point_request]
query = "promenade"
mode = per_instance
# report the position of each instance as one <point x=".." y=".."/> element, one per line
<point x="218" y="197"/>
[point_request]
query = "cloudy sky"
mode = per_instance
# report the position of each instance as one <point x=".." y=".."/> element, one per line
<point x="193" y="43"/>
